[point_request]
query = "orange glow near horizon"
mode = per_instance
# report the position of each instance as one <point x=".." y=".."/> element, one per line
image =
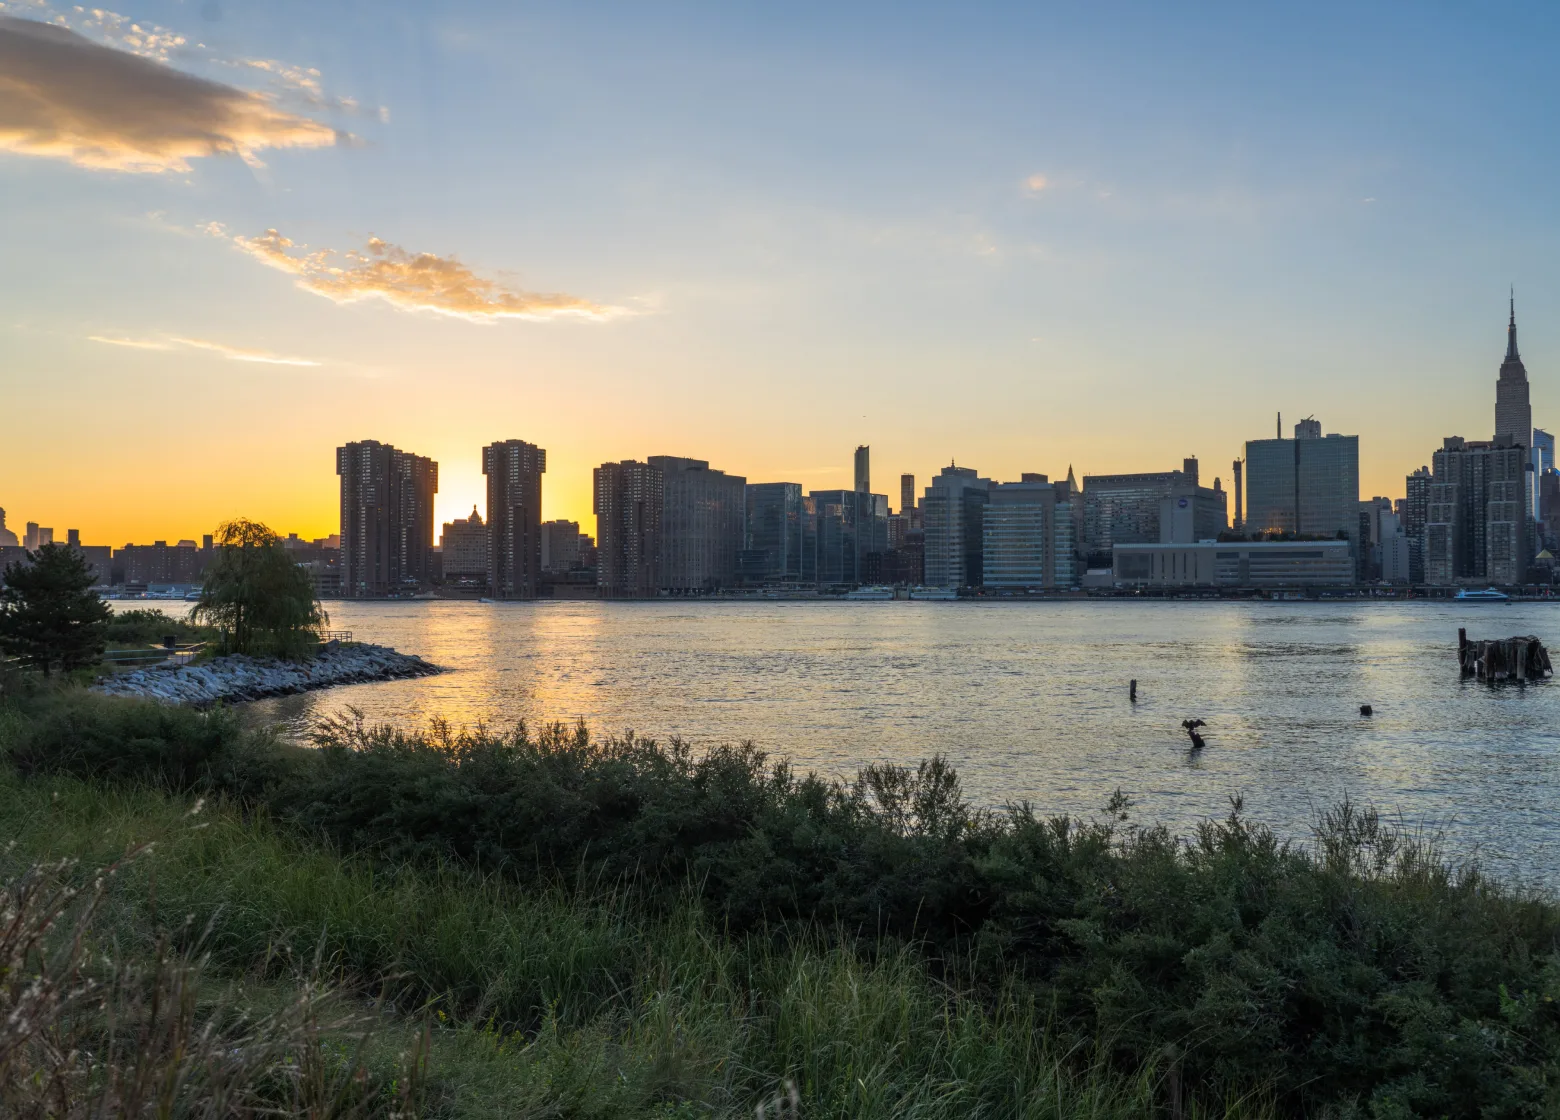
<point x="753" y="239"/>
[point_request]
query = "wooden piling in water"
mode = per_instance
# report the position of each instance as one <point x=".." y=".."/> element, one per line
<point x="1132" y="691"/>
<point x="1521" y="658"/>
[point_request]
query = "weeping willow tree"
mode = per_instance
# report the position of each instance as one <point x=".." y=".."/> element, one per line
<point x="256" y="596"/>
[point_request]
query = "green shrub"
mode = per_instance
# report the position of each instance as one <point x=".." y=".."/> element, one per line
<point x="1360" y="970"/>
<point x="146" y="627"/>
<point x="116" y="739"/>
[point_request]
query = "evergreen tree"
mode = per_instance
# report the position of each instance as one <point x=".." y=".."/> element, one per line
<point x="49" y="615"/>
<point x="261" y="601"/>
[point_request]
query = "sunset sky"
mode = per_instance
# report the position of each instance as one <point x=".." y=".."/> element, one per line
<point x="236" y="235"/>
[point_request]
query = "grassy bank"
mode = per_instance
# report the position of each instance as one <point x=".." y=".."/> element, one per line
<point x="625" y="927"/>
<point x="555" y="1002"/>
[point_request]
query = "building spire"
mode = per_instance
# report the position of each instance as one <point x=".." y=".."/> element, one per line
<point x="1511" y="330"/>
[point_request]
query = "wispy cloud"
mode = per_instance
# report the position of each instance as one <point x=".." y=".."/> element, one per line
<point x="305" y="82"/>
<point x="177" y="342"/>
<point x="410" y="281"/>
<point x="65" y="97"/>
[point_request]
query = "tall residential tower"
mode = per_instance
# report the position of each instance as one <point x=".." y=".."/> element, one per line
<point x="514" y="472"/>
<point x="386" y="518"/>
<point x="628" y="505"/>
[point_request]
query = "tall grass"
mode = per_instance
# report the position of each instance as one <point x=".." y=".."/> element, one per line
<point x="88" y="1031"/>
<point x="561" y="886"/>
<point x="571" y="1003"/>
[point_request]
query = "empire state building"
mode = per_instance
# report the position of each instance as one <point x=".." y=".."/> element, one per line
<point x="1513" y="413"/>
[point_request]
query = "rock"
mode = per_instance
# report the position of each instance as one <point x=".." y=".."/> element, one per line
<point x="238" y="678"/>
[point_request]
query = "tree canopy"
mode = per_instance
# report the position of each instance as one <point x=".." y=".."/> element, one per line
<point x="256" y="596"/>
<point x="49" y="615"/>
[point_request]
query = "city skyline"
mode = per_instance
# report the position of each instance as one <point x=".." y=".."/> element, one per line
<point x="1021" y="241"/>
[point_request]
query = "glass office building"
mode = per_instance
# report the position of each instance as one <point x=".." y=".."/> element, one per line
<point x="1308" y="485"/>
<point x="775" y="533"/>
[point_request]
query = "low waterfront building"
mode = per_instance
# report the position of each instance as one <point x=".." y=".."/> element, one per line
<point x="561" y="546"/>
<point x="464" y="548"/>
<point x="1254" y="564"/>
<point x="159" y="563"/>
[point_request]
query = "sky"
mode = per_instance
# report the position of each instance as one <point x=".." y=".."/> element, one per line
<point x="1019" y="237"/>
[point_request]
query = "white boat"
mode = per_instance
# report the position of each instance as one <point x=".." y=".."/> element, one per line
<point x="875" y="593"/>
<point x="1488" y="595"/>
<point x="935" y="594"/>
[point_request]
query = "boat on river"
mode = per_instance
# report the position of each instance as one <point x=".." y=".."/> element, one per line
<point x="876" y="593"/>
<point x="937" y="594"/>
<point x="1488" y="595"/>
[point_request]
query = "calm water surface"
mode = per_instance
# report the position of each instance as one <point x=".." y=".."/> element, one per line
<point x="1030" y="699"/>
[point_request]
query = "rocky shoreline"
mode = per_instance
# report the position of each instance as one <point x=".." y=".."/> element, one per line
<point x="238" y="678"/>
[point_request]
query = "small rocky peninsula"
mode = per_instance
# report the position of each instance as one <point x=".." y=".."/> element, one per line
<point x="237" y="678"/>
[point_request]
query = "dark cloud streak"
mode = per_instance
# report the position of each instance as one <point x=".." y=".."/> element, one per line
<point x="65" y="97"/>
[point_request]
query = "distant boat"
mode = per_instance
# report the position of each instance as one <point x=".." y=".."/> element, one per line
<point x="876" y="593"/>
<point x="1488" y="595"/>
<point x="937" y="594"/>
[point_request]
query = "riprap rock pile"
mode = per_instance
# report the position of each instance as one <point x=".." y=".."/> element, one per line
<point x="237" y="678"/>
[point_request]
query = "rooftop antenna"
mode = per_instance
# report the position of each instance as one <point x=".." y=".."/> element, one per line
<point x="1278" y="428"/>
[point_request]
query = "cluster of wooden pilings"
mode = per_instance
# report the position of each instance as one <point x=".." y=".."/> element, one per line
<point x="1503" y="659"/>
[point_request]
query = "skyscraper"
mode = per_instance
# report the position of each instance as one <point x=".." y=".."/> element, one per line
<point x="1308" y="485"/>
<point x="1127" y="508"/>
<point x="848" y="534"/>
<point x="775" y="530"/>
<point x="863" y="469"/>
<point x="1513" y="413"/>
<point x="514" y="470"/>
<point x="628" y="503"/>
<point x="386" y="518"/>
<point x="953" y="510"/>
<point x="1123" y="508"/>
<point x="906" y="494"/>
<point x="1027" y="537"/>
<point x="1543" y="443"/>
<point x="1240" y="513"/>
<point x="1476" y="525"/>
<point x="1415" y="509"/>
<point x="7" y="536"/>
<point x="702" y="524"/>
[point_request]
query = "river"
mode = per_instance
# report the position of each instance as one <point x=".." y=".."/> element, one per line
<point x="1030" y="701"/>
